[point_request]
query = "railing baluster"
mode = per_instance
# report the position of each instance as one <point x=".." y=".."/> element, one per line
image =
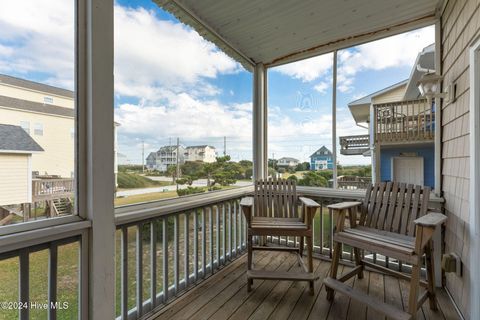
<point x="217" y="236"/>
<point x="210" y="230"/>
<point x="321" y="228"/>
<point x="204" y="244"/>
<point x="124" y="273"/>
<point x="224" y="234"/>
<point x="165" y="258"/>
<point x="230" y="231"/>
<point x="24" y="283"/>
<point x="139" y="275"/>
<point x="176" y="255"/>
<point x="195" y="244"/>
<point x="232" y="205"/>
<point x="186" y="249"/>
<point x="153" y="264"/>
<point x="52" y="281"/>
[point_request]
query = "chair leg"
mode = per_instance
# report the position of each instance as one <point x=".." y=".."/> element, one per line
<point x="413" y="296"/>
<point x="358" y="262"/>
<point x="310" y="262"/>
<point x="249" y="261"/>
<point x="333" y="274"/>
<point x="430" y="277"/>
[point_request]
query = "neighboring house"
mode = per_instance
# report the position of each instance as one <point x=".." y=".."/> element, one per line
<point x="16" y="149"/>
<point x="47" y="114"/>
<point x="287" y="162"/>
<point x="203" y="153"/>
<point x="401" y="129"/>
<point x="165" y="156"/>
<point x="322" y="159"/>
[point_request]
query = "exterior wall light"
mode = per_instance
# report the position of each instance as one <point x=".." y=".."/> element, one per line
<point x="429" y="86"/>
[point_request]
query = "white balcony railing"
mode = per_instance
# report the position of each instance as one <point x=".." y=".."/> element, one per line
<point x="166" y="247"/>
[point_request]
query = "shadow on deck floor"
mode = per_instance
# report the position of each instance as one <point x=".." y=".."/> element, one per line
<point x="224" y="295"/>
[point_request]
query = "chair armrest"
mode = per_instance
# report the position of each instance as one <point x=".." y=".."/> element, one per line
<point x="344" y="205"/>
<point x="431" y="219"/>
<point x="309" y="203"/>
<point x="246" y="202"/>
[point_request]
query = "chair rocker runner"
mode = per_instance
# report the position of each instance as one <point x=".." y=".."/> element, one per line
<point x="394" y="222"/>
<point x="273" y="211"/>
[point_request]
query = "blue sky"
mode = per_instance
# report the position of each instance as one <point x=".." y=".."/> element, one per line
<point x="170" y="82"/>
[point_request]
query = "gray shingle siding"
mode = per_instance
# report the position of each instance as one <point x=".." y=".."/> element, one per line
<point x="25" y="105"/>
<point x="14" y="138"/>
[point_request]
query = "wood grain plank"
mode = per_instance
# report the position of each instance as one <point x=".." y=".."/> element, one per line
<point x="393" y="295"/>
<point x="358" y="310"/>
<point x="222" y="296"/>
<point x="293" y="294"/>
<point x="244" y="305"/>
<point x="376" y="290"/>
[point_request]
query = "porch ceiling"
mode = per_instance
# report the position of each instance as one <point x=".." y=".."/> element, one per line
<point x="274" y="32"/>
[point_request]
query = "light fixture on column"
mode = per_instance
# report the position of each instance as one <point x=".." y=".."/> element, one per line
<point x="429" y="86"/>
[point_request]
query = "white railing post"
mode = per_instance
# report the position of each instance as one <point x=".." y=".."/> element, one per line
<point x="95" y="152"/>
<point x="260" y="168"/>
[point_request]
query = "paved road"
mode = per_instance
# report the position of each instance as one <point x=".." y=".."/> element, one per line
<point x="196" y="183"/>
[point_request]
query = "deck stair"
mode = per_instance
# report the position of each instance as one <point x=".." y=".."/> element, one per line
<point x="62" y="206"/>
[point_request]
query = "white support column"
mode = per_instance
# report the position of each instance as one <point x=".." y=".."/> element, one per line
<point x="95" y="154"/>
<point x="334" y="119"/>
<point x="437" y="238"/>
<point x="260" y="170"/>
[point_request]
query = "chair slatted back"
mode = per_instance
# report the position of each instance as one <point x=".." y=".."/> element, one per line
<point x="393" y="206"/>
<point x="275" y="198"/>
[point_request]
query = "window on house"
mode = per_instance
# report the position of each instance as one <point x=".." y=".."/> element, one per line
<point x="38" y="129"/>
<point x="25" y="126"/>
<point x="48" y="100"/>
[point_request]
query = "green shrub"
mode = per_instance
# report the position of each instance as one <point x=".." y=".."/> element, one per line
<point x="189" y="190"/>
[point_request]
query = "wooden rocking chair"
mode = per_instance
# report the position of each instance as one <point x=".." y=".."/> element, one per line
<point x="273" y="211"/>
<point x="394" y="222"/>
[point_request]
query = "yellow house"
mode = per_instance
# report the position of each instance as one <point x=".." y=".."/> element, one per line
<point x="46" y="113"/>
<point x="16" y="149"/>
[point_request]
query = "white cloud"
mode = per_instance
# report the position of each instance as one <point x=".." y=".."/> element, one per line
<point x="150" y="52"/>
<point x="396" y="51"/>
<point x="41" y="37"/>
<point x="309" y="69"/>
<point x="322" y="87"/>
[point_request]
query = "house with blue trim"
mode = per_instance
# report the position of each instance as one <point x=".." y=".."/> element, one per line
<point x="322" y="159"/>
<point x="401" y="128"/>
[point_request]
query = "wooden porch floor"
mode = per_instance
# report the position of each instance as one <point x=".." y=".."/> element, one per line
<point x="224" y="295"/>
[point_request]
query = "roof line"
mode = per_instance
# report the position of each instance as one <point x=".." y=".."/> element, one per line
<point x="393" y="86"/>
<point x="35" y="86"/>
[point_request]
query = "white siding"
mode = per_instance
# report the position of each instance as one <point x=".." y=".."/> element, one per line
<point x="15" y="186"/>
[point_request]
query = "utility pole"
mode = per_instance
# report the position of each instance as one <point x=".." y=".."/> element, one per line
<point x="178" y="152"/>
<point x="224" y="145"/>
<point x="143" y="156"/>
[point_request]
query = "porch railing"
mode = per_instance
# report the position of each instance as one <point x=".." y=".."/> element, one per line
<point x="49" y="189"/>
<point x="165" y="247"/>
<point x="354" y="145"/>
<point x="402" y="121"/>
